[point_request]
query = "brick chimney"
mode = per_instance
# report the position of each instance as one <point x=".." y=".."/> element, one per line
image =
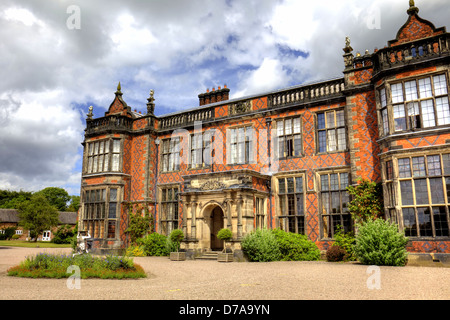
<point x="221" y="94"/>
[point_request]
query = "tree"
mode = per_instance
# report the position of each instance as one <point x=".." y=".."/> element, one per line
<point x="74" y="204"/>
<point x="367" y="201"/>
<point x="57" y="197"/>
<point x="38" y="215"/>
<point x="12" y="199"/>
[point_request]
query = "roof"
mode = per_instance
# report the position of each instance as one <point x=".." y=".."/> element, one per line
<point x="12" y="216"/>
<point x="9" y="215"/>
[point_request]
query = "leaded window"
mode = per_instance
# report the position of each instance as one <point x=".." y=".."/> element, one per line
<point x="334" y="200"/>
<point x="169" y="209"/>
<point x="241" y="145"/>
<point x="425" y="195"/>
<point x="170" y="155"/>
<point x="420" y="103"/>
<point x="331" y="131"/>
<point x="291" y="200"/>
<point x="201" y="149"/>
<point x="103" y="156"/>
<point x="101" y="212"/>
<point x="259" y="213"/>
<point x="289" y="134"/>
<point x="384" y="111"/>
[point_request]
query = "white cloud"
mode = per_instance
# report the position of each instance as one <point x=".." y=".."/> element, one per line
<point x="268" y="76"/>
<point x="21" y="15"/>
<point x="177" y="47"/>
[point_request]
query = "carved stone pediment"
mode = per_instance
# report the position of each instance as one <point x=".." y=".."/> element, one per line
<point x="241" y="107"/>
<point x="212" y="185"/>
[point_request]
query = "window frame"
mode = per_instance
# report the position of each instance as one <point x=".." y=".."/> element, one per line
<point x="418" y="96"/>
<point x="169" y="209"/>
<point x="260" y="213"/>
<point x="97" y="214"/>
<point x="242" y="144"/>
<point x="171" y="155"/>
<point x="206" y="143"/>
<point x="102" y="154"/>
<point x="283" y="136"/>
<point x="287" y="199"/>
<point x="416" y="209"/>
<point x="327" y="129"/>
<point x="344" y="216"/>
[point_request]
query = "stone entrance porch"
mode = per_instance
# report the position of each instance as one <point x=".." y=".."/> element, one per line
<point x="215" y="201"/>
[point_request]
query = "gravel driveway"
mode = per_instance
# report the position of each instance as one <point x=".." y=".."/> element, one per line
<point x="211" y="280"/>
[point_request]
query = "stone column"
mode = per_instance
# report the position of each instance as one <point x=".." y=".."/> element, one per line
<point x="185" y="211"/>
<point x="240" y="203"/>
<point x="194" y="216"/>
<point x="228" y="214"/>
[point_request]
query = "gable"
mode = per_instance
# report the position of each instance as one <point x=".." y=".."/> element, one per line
<point x="119" y="106"/>
<point x="415" y="28"/>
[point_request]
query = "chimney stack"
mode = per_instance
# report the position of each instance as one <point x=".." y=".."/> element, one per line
<point x="221" y="94"/>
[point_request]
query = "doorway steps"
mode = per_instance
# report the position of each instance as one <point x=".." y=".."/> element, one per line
<point x="209" y="255"/>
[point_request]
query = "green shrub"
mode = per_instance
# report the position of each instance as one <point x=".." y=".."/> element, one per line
<point x="8" y="233"/>
<point x="63" y="235"/>
<point x="261" y="245"/>
<point x="379" y="242"/>
<point x="154" y="244"/>
<point x="225" y="234"/>
<point x="347" y="243"/>
<point x="335" y="254"/>
<point x="176" y="236"/>
<point x="296" y="247"/>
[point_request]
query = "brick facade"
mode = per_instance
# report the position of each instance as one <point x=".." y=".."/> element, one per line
<point x="280" y="159"/>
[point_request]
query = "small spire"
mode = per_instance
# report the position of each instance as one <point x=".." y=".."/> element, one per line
<point x="119" y="89"/>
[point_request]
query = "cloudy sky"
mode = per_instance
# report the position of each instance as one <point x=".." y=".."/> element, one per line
<point x="58" y="57"/>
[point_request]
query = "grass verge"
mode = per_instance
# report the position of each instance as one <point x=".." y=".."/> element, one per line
<point x="46" y="265"/>
<point x="28" y="244"/>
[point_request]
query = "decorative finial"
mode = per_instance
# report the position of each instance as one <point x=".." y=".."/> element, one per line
<point x="151" y="103"/>
<point x="412" y="8"/>
<point x="348" y="48"/>
<point x="90" y="114"/>
<point x="119" y="89"/>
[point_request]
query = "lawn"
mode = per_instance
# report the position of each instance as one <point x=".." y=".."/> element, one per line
<point x="27" y="244"/>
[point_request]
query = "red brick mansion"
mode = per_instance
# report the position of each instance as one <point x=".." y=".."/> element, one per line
<point x="283" y="159"/>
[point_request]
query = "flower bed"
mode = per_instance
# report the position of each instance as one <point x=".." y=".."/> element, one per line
<point x="46" y="265"/>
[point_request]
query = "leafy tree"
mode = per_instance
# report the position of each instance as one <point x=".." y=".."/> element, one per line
<point x="38" y="215"/>
<point x="74" y="204"/>
<point x="367" y="201"/>
<point x="57" y="197"/>
<point x="12" y="199"/>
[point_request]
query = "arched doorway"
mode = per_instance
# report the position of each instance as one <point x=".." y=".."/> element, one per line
<point x="215" y="227"/>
